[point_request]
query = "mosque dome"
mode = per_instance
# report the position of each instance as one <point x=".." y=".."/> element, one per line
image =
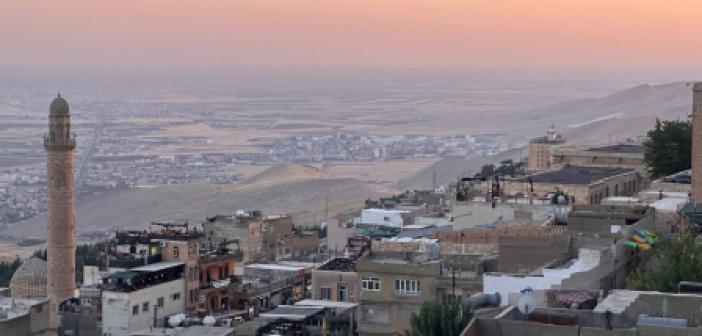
<point x="29" y="280"/>
<point x="59" y="106"/>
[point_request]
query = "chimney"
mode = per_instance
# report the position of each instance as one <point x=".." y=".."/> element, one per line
<point x="697" y="142"/>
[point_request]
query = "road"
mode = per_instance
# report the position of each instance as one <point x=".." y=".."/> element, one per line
<point x="87" y="154"/>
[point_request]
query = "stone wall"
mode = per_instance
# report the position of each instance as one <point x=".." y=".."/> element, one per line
<point x="525" y="254"/>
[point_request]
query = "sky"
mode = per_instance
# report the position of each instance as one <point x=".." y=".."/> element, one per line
<point x="559" y="34"/>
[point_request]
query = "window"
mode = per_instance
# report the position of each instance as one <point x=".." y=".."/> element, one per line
<point x="175" y="252"/>
<point x="159" y="302"/>
<point x="343" y="291"/>
<point x="370" y="284"/>
<point x="145" y="307"/>
<point x="175" y="296"/>
<point x="135" y="309"/>
<point x="407" y="287"/>
<point x="325" y="293"/>
<point x="386" y="218"/>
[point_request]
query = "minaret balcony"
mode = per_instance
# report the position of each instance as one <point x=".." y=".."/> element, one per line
<point x="60" y="143"/>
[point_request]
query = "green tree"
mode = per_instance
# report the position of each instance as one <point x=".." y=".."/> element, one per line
<point x="7" y="269"/>
<point x="674" y="260"/>
<point x="668" y="147"/>
<point x="447" y="316"/>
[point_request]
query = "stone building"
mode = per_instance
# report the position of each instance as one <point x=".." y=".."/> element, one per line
<point x="24" y="317"/>
<point x="29" y="280"/>
<point x="617" y="155"/>
<point x="59" y="144"/>
<point x="697" y="142"/>
<point x="578" y="184"/>
<point x="242" y="229"/>
<point x="336" y="280"/>
<point x="540" y="150"/>
<point x="217" y="281"/>
<point x="392" y="288"/>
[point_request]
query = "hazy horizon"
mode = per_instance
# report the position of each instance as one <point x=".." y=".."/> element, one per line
<point x="514" y="34"/>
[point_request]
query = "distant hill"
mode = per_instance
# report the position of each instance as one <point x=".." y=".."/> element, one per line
<point x="623" y="115"/>
<point x="288" y="173"/>
<point x="135" y="209"/>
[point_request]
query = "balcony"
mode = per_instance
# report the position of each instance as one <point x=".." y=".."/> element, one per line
<point x="131" y="262"/>
<point x="208" y="258"/>
<point x="69" y="143"/>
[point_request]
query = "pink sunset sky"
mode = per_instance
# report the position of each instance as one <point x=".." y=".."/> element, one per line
<point x="572" y="34"/>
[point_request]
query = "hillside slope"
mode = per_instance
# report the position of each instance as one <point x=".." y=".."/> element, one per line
<point x="622" y="115"/>
<point x="134" y="209"/>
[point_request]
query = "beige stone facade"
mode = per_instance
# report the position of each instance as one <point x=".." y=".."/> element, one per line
<point x="574" y="182"/>
<point x="59" y="145"/>
<point x="187" y="252"/>
<point x="402" y="287"/>
<point x="619" y="155"/>
<point x="540" y="150"/>
<point x="697" y="142"/>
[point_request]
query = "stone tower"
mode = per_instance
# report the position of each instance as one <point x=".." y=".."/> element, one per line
<point x="60" y="232"/>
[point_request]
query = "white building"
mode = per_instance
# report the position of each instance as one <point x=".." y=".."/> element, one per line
<point x="133" y="299"/>
<point x="382" y="217"/>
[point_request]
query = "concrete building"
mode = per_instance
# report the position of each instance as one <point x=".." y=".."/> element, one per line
<point x="24" y="317"/>
<point x="183" y="247"/>
<point x="29" y="280"/>
<point x="697" y="142"/>
<point x="604" y="220"/>
<point x="393" y="286"/>
<point x="59" y="144"/>
<point x="82" y="316"/>
<point x="217" y="281"/>
<point x="336" y="280"/>
<point x="383" y="217"/>
<point x="242" y="229"/>
<point x="262" y="238"/>
<point x="173" y="242"/>
<point x="540" y="150"/>
<point x="142" y="297"/>
<point x="621" y="313"/>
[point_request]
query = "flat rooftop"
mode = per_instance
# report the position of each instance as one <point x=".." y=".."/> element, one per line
<point x="579" y="175"/>
<point x="275" y="267"/>
<point x="16" y="307"/>
<point x="629" y="149"/>
<point x="339" y="265"/>
<point x="293" y="313"/>
<point x="159" y="266"/>
<point x="196" y="330"/>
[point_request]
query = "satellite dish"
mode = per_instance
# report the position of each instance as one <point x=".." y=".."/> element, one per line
<point x="209" y="321"/>
<point x="526" y="304"/>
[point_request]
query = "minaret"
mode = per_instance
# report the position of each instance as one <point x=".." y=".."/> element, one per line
<point x="60" y="230"/>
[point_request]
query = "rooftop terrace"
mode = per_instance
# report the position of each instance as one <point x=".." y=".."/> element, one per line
<point x="339" y="264"/>
<point x="579" y="175"/>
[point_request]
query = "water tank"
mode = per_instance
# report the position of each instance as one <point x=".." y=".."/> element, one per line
<point x="209" y="321"/>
